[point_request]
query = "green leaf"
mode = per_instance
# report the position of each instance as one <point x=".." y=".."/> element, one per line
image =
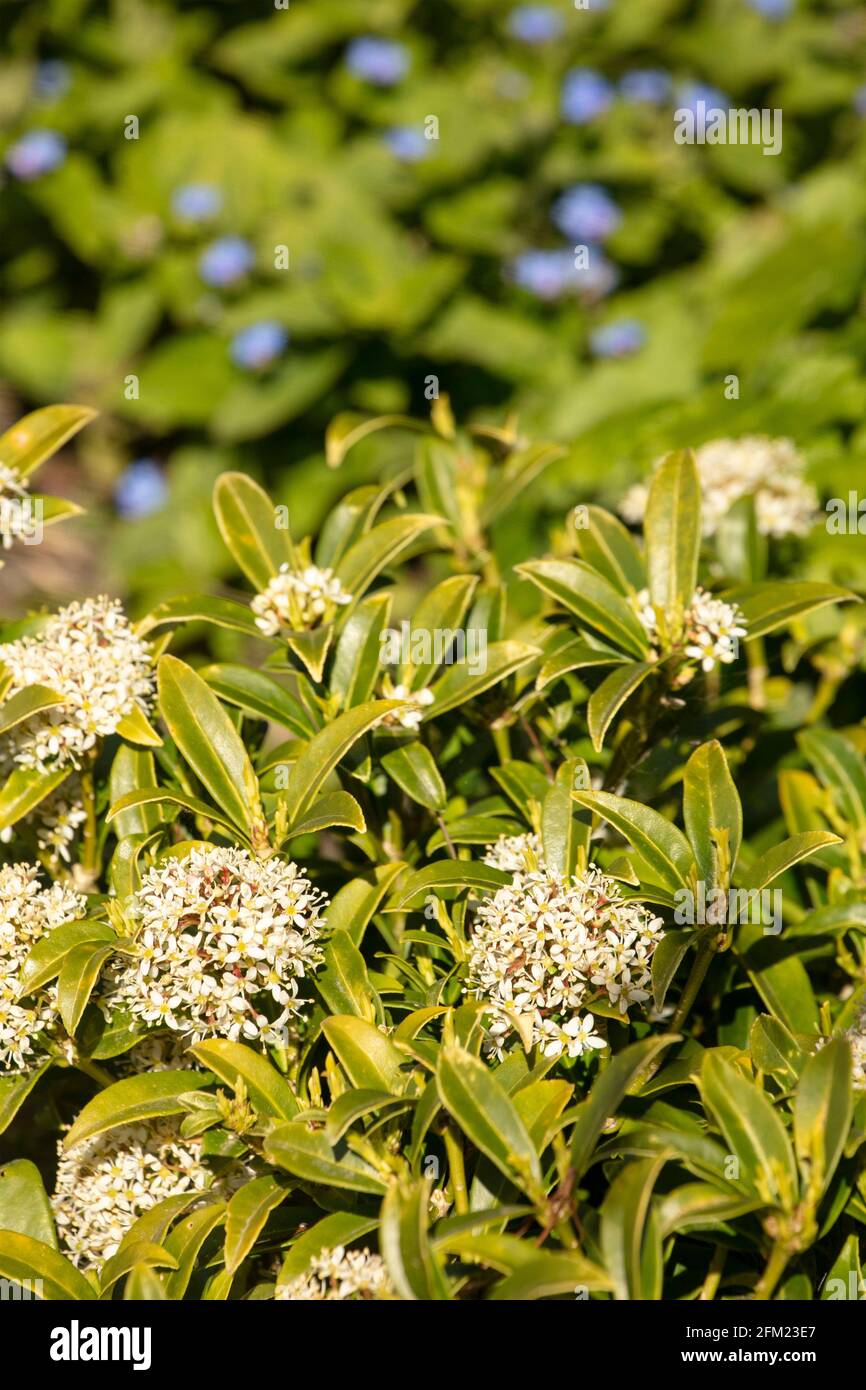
<point x="208" y="741"/>
<point x="776" y="603"/>
<point x="606" y="545"/>
<point x="247" y="1212"/>
<point x="41" y="1269"/>
<point x="414" y="770"/>
<point x="841" y="768"/>
<point x="487" y="1116"/>
<point x="379" y="548"/>
<point x="607" y="699"/>
<point x="258" y="695"/>
<point x="34" y="438"/>
<point x="339" y="1228"/>
<point x="137" y="729"/>
<point x="775" y="1050"/>
<point x="165" y="796"/>
<point x="325" y="750"/>
<point x="591" y="598"/>
<point x="618" y="1077"/>
<point x="30" y="700"/>
<point x="823" y="1107"/>
<point x="698" y="1204"/>
<point x="132" y="1100"/>
<point x="662" y="847"/>
<point x="630" y="1239"/>
<point x="712" y="812"/>
<point x="196" y="608"/>
<point x="307" y="1154"/>
<point x="438" y="617"/>
<point x="460" y="683"/>
<point x="355" y="904"/>
<point x="672" y="531"/>
<point x="752" y="1129"/>
<point x="547" y="1274"/>
<point x="334" y="808"/>
<point x="47" y="956"/>
<point x="559" y="830"/>
<point x="784" y="856"/>
<point x="575" y="654"/>
<point x="343" y="981"/>
<point x="24" y="1204"/>
<point x="132" y="769"/>
<point x="14" y="1090"/>
<point x="354" y="1105"/>
<point x="247" y="520"/>
<point x="415" y="1271"/>
<point x="455" y="873"/>
<point x="358" y="657"/>
<point x="137" y="1255"/>
<point x="269" y="1092"/>
<point x="185" y="1242"/>
<point x="665" y="961"/>
<point x="23" y="791"/>
<point x="79" y="972"/>
<point x="368" y="1057"/>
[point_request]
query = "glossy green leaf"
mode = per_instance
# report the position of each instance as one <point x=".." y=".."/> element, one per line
<point x="135" y="1098"/>
<point x="607" y="699"/>
<point x="487" y="1116"/>
<point x="247" y="520"/>
<point x="712" y="812"/>
<point x="672" y="531"/>
<point x="592" y="599"/>
<point x="661" y="846"/>
<point x="414" y="769"/>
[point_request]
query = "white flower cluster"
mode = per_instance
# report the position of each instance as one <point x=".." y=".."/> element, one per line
<point x="27" y="912"/>
<point x="711" y="628"/>
<point x="544" y="946"/>
<point x="106" y="1183"/>
<point x="857" y="1038"/>
<point x="515" y="854"/>
<point x="296" y="600"/>
<point x="219" y="932"/>
<point x="339" y="1274"/>
<point x="416" y="701"/>
<point x="769" y="469"/>
<point x="90" y="656"/>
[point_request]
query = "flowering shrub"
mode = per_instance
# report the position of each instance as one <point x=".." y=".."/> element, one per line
<point x="478" y="958"/>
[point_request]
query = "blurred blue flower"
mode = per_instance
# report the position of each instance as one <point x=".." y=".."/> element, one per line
<point x="548" y="275"/>
<point x="407" y="143"/>
<point x="36" y="153"/>
<point x="586" y="212"/>
<point x="688" y="94"/>
<point x="226" y="260"/>
<point x="649" y="86"/>
<point x="141" y="489"/>
<point x="860" y="100"/>
<point x="618" y="339"/>
<point x="535" y="23"/>
<point x="256" y="347"/>
<point x="380" y="61"/>
<point x="585" y="95"/>
<point x="51" y="80"/>
<point x="770" y="9"/>
<point x="196" y="202"/>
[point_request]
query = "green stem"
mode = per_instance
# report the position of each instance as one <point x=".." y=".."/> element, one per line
<point x="456" y="1171"/>
<point x="756" y="659"/>
<point x="90" y="848"/>
<point x="502" y="743"/>
<point x="714" y="1275"/>
<point x="96" y="1073"/>
<point x="700" y="965"/>
<point x="772" y="1274"/>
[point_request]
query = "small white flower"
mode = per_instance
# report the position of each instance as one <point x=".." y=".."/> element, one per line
<point x="515" y="854"/>
<point x="771" y="470"/>
<point x="337" y="1275"/>
<point x="219" y="933"/>
<point x="710" y="633"/>
<point x="27" y="913"/>
<point x="90" y="656"/>
<point x="415" y="703"/>
<point x="543" y="946"/>
<point x="296" y="600"/>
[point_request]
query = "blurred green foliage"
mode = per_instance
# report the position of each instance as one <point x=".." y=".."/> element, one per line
<point x="390" y="259"/>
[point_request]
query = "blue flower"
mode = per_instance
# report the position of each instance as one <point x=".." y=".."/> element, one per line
<point x="141" y="489"/>
<point x="256" y="347"/>
<point x="618" y="339"/>
<point x="51" y="80"/>
<point x="770" y="9"/>
<point x="586" y="213"/>
<point x="407" y="143"/>
<point x="196" y="202"/>
<point x="646" y="86"/>
<point x="688" y="95"/>
<point x="36" y="153"/>
<point x="535" y="23"/>
<point x="548" y="275"/>
<point x="585" y="95"/>
<point x="226" y="260"/>
<point x="383" y="62"/>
